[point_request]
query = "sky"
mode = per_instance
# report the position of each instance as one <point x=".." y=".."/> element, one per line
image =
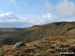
<point x="26" y="13"/>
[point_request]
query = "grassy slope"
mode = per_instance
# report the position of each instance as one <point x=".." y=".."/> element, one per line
<point x="50" y="46"/>
<point x="36" y="32"/>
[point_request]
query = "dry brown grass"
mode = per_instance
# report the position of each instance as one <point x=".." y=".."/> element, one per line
<point x="44" y="47"/>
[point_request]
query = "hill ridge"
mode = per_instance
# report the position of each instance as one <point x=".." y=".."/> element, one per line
<point x="36" y="32"/>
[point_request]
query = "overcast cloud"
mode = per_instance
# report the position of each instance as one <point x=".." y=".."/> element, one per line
<point x="65" y="9"/>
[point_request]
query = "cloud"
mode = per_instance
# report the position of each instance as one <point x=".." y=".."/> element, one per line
<point x="43" y="19"/>
<point x="6" y="14"/>
<point x="65" y="9"/>
<point x="47" y="16"/>
<point x="17" y="4"/>
<point x="10" y="18"/>
<point x="46" y="5"/>
<point x="14" y="3"/>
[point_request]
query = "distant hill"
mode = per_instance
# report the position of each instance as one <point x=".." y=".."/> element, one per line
<point x="11" y="36"/>
<point x="11" y="29"/>
<point x="50" y="45"/>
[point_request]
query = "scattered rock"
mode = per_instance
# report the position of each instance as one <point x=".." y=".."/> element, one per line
<point x="19" y="44"/>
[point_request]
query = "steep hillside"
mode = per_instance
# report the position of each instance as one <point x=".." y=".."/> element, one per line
<point x="50" y="46"/>
<point x="37" y="32"/>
